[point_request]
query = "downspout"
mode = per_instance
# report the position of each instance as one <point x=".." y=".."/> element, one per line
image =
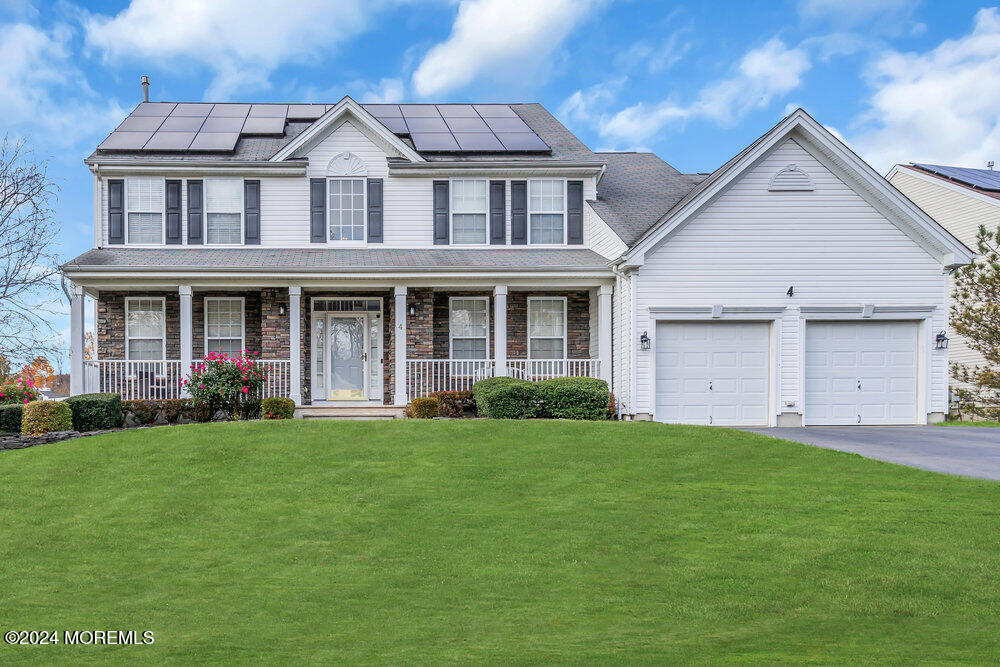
<point x="620" y="277"/>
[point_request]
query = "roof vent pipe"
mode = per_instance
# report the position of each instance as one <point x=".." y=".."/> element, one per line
<point x="145" y="88"/>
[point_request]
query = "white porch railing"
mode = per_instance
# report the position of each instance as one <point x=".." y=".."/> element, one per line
<point x="153" y="380"/>
<point x="544" y="369"/>
<point x="425" y="376"/>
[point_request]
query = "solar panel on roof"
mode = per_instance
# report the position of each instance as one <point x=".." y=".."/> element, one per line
<point x="268" y="110"/>
<point x="141" y="124"/>
<point x="507" y="125"/>
<point x="383" y="110"/>
<point x="233" y="110"/>
<point x="222" y="124"/>
<point x="395" y="125"/>
<point x="495" y="110"/>
<point x="169" y="141"/>
<point x="154" y="109"/>
<point x="182" y="123"/>
<point x="522" y="141"/>
<point x="419" y="111"/>
<point x="985" y="179"/>
<point x="125" y="141"/>
<point x="305" y="111"/>
<point x="478" y="141"/>
<point x="215" y="141"/>
<point x="264" y="125"/>
<point x="457" y="111"/>
<point x="467" y="125"/>
<point x="188" y="109"/>
<point x="426" y="125"/>
<point x="434" y="141"/>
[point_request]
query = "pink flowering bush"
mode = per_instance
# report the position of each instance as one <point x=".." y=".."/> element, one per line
<point x="231" y="384"/>
<point x="18" y="390"/>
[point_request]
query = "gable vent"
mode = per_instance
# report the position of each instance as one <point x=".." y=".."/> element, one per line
<point x="790" y="178"/>
<point x="346" y="164"/>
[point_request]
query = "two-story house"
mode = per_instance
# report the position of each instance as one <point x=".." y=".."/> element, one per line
<point x="374" y="253"/>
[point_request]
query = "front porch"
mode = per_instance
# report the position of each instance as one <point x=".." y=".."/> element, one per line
<point x="348" y="341"/>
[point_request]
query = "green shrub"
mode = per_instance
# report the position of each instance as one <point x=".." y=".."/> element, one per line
<point x="231" y="384"/>
<point x="46" y="416"/>
<point x="18" y="390"/>
<point x="169" y="410"/>
<point x="96" y="412"/>
<point x="453" y="403"/>
<point x="572" y="398"/>
<point x="278" y="408"/>
<point x="10" y="418"/>
<point x="425" y="407"/>
<point x="505" y="398"/>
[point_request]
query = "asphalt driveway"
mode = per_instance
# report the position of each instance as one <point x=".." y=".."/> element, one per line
<point x="959" y="450"/>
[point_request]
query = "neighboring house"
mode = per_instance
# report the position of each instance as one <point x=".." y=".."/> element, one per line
<point x="374" y="253"/>
<point x="961" y="199"/>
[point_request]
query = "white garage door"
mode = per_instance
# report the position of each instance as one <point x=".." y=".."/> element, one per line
<point x="861" y="373"/>
<point x="712" y="373"/>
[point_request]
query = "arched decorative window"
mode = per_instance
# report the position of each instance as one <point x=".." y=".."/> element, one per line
<point x="791" y="178"/>
<point x="346" y="165"/>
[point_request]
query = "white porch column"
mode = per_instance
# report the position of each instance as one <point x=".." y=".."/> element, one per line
<point x="295" y="341"/>
<point x="604" y="331"/>
<point x="77" y="383"/>
<point x="500" y="330"/>
<point x="399" y="396"/>
<point x="187" y="332"/>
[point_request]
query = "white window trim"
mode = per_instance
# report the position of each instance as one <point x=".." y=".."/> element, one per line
<point x="364" y="212"/>
<point x="565" y="212"/>
<point x="242" y="211"/>
<point x="163" y="213"/>
<point x="163" y="329"/>
<point x="565" y="336"/>
<point x="451" y="213"/>
<point x="243" y="321"/>
<point x="451" y="301"/>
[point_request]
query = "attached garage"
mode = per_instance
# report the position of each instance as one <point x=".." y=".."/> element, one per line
<point x="713" y="373"/>
<point x="861" y="373"/>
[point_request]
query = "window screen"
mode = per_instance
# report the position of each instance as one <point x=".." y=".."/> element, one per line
<point x="144" y="196"/>
<point x="547" y="210"/>
<point x="469" y="205"/>
<point x="224" y="210"/>
<point x="224" y="326"/>
<point x="144" y="328"/>
<point x="470" y="328"/>
<point x="546" y="328"/>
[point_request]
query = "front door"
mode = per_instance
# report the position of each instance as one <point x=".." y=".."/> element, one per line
<point x="348" y="340"/>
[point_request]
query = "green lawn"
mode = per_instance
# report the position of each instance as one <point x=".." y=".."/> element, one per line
<point x="480" y="541"/>
<point x="986" y="422"/>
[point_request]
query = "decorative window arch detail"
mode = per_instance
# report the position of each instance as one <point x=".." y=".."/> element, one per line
<point x="346" y="165"/>
<point x="790" y="178"/>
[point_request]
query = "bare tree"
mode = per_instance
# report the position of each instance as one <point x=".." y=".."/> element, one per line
<point x="27" y="256"/>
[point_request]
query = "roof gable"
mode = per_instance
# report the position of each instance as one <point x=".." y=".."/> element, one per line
<point x="840" y="160"/>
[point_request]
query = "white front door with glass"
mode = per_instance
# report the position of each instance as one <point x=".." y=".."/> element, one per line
<point x="347" y="349"/>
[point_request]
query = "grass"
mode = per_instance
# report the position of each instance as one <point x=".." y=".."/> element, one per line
<point x="495" y="542"/>
<point x="985" y="422"/>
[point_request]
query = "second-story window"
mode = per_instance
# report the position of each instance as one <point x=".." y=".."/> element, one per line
<point x="144" y="197"/>
<point x="347" y="209"/>
<point x="224" y="211"/>
<point x="469" y="206"/>
<point x="547" y="211"/>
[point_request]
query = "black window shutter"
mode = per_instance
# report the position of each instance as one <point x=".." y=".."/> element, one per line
<point x="498" y="213"/>
<point x="374" y="210"/>
<point x="317" y="210"/>
<point x="574" y="212"/>
<point x="251" y="212"/>
<point x="196" y="209"/>
<point x="116" y="211"/>
<point x="173" y="231"/>
<point x="518" y="212"/>
<point x="440" y="212"/>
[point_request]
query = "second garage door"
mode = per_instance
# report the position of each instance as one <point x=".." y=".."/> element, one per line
<point x="712" y="373"/>
<point x="861" y="373"/>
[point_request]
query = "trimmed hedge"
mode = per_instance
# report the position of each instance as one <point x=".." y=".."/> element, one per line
<point x="10" y="418"/>
<point x="453" y="403"/>
<point x="572" y="398"/>
<point x="425" y="407"/>
<point x="278" y="407"/>
<point x="505" y="398"/>
<point x="46" y="416"/>
<point x="96" y="412"/>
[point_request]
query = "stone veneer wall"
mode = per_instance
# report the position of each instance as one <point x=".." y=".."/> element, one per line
<point x="111" y="322"/>
<point x="578" y="323"/>
<point x="274" y="327"/>
<point x="251" y="321"/>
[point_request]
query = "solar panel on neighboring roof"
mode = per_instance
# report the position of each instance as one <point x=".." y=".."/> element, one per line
<point x="419" y="111"/>
<point x="196" y="109"/>
<point x="476" y="124"/>
<point x="418" y="125"/>
<point x="522" y="141"/>
<point x="235" y="110"/>
<point x="984" y="179"/>
<point x="495" y="110"/>
<point x="507" y="125"/>
<point x="395" y="125"/>
<point x="141" y="124"/>
<point x="223" y="124"/>
<point x="457" y="111"/>
<point x="383" y="110"/>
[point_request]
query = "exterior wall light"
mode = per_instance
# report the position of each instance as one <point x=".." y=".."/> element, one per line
<point x="644" y="341"/>
<point x="941" y="341"/>
<point x="412" y="311"/>
<point x="282" y="310"/>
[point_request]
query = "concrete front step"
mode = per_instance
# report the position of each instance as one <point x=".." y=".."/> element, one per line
<point x="348" y="412"/>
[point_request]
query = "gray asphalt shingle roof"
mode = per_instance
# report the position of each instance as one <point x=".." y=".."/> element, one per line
<point x="636" y="190"/>
<point x="276" y="260"/>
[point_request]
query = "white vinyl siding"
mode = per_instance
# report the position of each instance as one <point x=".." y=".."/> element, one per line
<point x="469" y="327"/>
<point x="469" y="211"/>
<point x="546" y="211"/>
<point x="224" y="325"/>
<point x="346" y="219"/>
<point x="223" y="211"/>
<point x="546" y="328"/>
<point x="145" y="328"/>
<point x="749" y="245"/>
<point x="145" y="202"/>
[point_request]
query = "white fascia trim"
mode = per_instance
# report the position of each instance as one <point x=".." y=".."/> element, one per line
<point x="336" y="113"/>
<point x="199" y="169"/>
<point x="950" y="250"/>
<point x="716" y="312"/>
<point x="949" y="185"/>
<point x="550" y="168"/>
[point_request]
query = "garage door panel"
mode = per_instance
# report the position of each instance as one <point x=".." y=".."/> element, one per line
<point x="712" y="372"/>
<point x="881" y="356"/>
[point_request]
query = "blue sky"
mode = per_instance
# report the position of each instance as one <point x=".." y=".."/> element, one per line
<point x="695" y="82"/>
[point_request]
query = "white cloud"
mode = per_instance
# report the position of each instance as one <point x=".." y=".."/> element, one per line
<point x="854" y="12"/>
<point x="43" y="94"/>
<point x="386" y="91"/>
<point x="657" y="56"/>
<point x="505" y="40"/>
<point x="585" y="106"/>
<point x="940" y="106"/>
<point x="243" y="41"/>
